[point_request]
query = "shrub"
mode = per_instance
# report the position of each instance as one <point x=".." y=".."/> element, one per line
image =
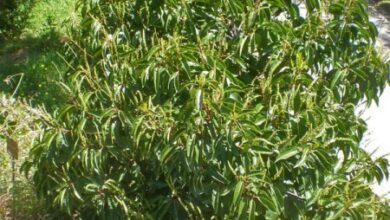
<point x="13" y="16"/>
<point x="215" y="110"/>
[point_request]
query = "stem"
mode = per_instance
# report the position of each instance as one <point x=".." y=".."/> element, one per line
<point x="13" y="190"/>
<point x="17" y="87"/>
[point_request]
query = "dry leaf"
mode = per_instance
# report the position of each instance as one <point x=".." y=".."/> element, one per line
<point x="13" y="149"/>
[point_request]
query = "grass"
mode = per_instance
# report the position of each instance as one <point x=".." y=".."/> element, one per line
<point x="35" y="53"/>
<point x="39" y="72"/>
<point x="51" y="14"/>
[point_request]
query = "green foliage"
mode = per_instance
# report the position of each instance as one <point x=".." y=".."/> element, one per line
<point x="40" y="74"/>
<point x="214" y="109"/>
<point x="13" y="16"/>
<point x="49" y="16"/>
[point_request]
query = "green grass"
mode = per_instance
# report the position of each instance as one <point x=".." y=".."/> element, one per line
<point x="47" y="24"/>
<point x="51" y="14"/>
<point x="39" y="73"/>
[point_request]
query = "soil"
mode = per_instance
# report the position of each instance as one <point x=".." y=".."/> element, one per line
<point x="16" y="57"/>
<point x="380" y="15"/>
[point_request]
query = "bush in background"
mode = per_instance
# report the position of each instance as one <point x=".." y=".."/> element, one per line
<point x="214" y="109"/>
<point x="13" y="16"/>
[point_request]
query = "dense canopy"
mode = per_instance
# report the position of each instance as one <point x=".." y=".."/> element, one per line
<point x="214" y="109"/>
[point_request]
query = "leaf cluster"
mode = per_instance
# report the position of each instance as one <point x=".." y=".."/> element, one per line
<point x="215" y="109"/>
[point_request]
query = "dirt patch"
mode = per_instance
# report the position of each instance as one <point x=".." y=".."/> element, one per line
<point x="16" y="57"/>
<point x="383" y="8"/>
<point x="380" y="16"/>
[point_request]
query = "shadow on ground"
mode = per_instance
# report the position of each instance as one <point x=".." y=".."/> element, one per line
<point x="36" y="64"/>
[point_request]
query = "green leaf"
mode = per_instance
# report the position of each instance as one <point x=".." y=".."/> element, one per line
<point x="199" y="99"/>
<point x="237" y="193"/>
<point x="287" y="153"/>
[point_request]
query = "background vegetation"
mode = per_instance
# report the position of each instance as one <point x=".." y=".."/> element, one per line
<point x="20" y="122"/>
<point x="36" y="50"/>
<point x="192" y="110"/>
<point x="30" y="65"/>
<point x="13" y="15"/>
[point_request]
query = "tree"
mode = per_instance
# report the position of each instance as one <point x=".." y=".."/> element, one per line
<point x="215" y="110"/>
